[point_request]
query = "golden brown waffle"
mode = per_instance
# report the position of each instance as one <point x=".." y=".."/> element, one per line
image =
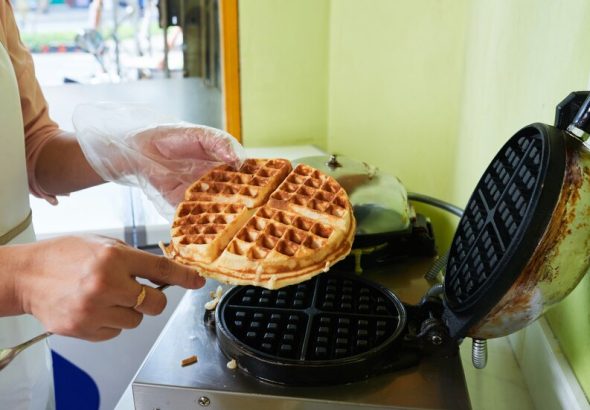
<point x="201" y="230"/>
<point x="294" y="226"/>
<point x="308" y="192"/>
<point x="250" y="185"/>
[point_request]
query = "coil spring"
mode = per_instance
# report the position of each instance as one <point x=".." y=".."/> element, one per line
<point x="479" y="353"/>
<point x="438" y="265"/>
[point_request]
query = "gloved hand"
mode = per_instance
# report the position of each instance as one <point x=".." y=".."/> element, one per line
<point x="133" y="145"/>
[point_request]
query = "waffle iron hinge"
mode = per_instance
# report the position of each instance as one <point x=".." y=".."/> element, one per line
<point x="427" y="331"/>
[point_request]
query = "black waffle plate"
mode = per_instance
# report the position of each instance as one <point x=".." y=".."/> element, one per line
<point x="334" y="328"/>
<point x="503" y="223"/>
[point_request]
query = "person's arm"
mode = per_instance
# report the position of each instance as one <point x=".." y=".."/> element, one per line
<point x="168" y="157"/>
<point x="82" y="286"/>
<point x="55" y="163"/>
<point x="61" y="167"/>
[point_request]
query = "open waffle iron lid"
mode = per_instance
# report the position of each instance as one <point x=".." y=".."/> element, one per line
<point x="509" y="256"/>
<point x="502" y="225"/>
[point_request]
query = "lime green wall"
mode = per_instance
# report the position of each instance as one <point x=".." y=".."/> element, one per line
<point x="521" y="60"/>
<point x="395" y="78"/>
<point x="394" y="86"/>
<point x="284" y="68"/>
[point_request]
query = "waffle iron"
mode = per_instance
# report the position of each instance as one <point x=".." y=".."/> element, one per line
<point x="333" y="329"/>
<point x="510" y="258"/>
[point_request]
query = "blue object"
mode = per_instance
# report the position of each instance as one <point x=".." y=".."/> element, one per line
<point x="74" y="388"/>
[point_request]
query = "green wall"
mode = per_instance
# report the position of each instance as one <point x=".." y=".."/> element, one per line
<point x="426" y="90"/>
<point x="394" y="89"/>
<point x="521" y="60"/>
<point x="283" y="69"/>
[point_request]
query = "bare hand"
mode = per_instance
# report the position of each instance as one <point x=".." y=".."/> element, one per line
<point x="85" y="287"/>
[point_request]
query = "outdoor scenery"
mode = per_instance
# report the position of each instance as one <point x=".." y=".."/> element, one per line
<point x="96" y="41"/>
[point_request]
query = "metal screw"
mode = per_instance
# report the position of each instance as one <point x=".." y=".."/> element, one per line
<point x="436" y="340"/>
<point x="204" y="401"/>
<point x="479" y="353"/>
<point x="333" y="162"/>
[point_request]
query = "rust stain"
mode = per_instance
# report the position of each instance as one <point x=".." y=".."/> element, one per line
<point x="560" y="225"/>
<point x="518" y="299"/>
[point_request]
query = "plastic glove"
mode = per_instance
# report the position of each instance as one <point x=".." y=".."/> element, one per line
<point x="133" y="145"/>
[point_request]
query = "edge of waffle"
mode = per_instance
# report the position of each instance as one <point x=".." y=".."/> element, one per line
<point x="231" y="267"/>
<point x="223" y="232"/>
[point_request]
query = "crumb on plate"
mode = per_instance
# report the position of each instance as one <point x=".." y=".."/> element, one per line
<point x="212" y="304"/>
<point x="189" y="360"/>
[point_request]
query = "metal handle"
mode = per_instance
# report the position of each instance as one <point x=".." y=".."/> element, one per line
<point x="582" y="119"/>
<point x="566" y="110"/>
<point x="8" y="354"/>
<point x="578" y="103"/>
<point x="31" y="342"/>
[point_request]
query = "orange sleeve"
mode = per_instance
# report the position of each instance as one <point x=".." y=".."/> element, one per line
<point x="38" y="127"/>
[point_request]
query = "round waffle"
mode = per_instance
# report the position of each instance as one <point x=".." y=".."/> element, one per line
<point x="265" y="224"/>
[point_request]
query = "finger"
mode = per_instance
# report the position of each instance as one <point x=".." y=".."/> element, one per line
<point x="118" y="317"/>
<point x="153" y="303"/>
<point x="220" y="147"/>
<point x="180" y="144"/>
<point x="176" y="195"/>
<point x="184" y="143"/>
<point x="160" y="269"/>
<point x="123" y="291"/>
<point x="170" y="187"/>
<point x="103" y="333"/>
<point x="199" y="143"/>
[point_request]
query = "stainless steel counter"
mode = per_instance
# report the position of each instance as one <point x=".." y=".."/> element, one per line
<point x="161" y="383"/>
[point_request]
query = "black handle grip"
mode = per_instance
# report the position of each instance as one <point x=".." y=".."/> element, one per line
<point x="582" y="119"/>
<point x="567" y="109"/>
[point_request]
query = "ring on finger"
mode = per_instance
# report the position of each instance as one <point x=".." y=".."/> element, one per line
<point x="140" y="297"/>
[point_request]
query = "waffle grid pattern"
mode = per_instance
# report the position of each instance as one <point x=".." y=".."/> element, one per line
<point x="245" y="183"/>
<point x="326" y="318"/>
<point x="306" y="187"/>
<point x="283" y="232"/>
<point x="200" y="222"/>
<point x="493" y="217"/>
